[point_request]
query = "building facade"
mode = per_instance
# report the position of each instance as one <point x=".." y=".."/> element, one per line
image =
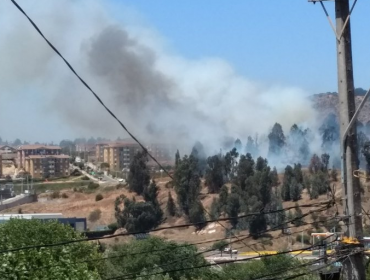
<point x="163" y="153"/>
<point x="47" y="166"/>
<point x="119" y="155"/>
<point x="35" y="150"/>
<point x="99" y="151"/>
<point x="6" y="149"/>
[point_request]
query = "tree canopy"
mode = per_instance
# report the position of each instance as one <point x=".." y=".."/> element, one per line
<point x="61" y="262"/>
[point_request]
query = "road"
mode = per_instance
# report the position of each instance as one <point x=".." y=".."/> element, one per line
<point x="106" y="179"/>
<point x="217" y="257"/>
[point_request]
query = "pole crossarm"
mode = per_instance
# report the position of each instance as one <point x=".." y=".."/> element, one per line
<point x="338" y="36"/>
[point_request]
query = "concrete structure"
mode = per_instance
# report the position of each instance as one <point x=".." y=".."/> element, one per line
<point x="79" y="224"/>
<point x="32" y="150"/>
<point x="119" y="155"/>
<point x="47" y="166"/>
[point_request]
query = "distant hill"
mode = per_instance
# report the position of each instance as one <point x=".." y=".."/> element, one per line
<point x="326" y="103"/>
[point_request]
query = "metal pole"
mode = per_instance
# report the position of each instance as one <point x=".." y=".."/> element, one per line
<point x="353" y="266"/>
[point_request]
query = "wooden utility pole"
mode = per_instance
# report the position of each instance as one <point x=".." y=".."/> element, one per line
<point x="353" y="266"/>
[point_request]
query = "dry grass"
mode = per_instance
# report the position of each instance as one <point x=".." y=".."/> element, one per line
<point x="82" y="204"/>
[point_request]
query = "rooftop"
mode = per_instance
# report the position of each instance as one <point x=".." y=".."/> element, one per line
<point x="46" y="156"/>
<point x="35" y="147"/>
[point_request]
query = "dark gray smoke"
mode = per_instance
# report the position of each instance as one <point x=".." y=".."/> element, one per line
<point x="159" y="95"/>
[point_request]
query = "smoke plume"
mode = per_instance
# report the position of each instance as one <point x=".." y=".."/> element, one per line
<point x="160" y="95"/>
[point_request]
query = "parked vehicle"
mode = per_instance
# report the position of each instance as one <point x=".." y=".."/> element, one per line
<point x="233" y="251"/>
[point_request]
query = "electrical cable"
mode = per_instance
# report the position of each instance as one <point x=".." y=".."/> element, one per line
<point x="90" y="89"/>
<point x="184" y="245"/>
<point x="171" y="263"/>
<point x="159" y="229"/>
<point x="133" y="275"/>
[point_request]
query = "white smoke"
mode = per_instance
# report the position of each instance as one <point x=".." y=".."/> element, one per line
<point x="160" y="95"/>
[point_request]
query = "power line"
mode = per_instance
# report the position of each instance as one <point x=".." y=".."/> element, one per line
<point x="89" y="88"/>
<point x="184" y="245"/>
<point x="327" y="206"/>
<point x="133" y="275"/>
<point x="300" y="250"/>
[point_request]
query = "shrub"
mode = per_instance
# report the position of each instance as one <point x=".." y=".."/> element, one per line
<point x="98" y="197"/>
<point x="113" y="226"/>
<point x="120" y="186"/>
<point x="85" y="178"/>
<point x="93" y="186"/>
<point x="94" y="215"/>
<point x="64" y="195"/>
<point x="55" y="194"/>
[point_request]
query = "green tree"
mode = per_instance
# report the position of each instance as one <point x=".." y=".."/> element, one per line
<point x="230" y="164"/>
<point x="298" y="175"/>
<point x="298" y="216"/>
<point x="245" y="169"/>
<point x="61" y="262"/>
<point x="220" y="245"/>
<point x="177" y="157"/>
<point x="197" y="214"/>
<point x="276" y="140"/>
<point x="223" y="196"/>
<point x="233" y="208"/>
<point x="261" y="164"/>
<point x="325" y="162"/>
<point x="295" y="190"/>
<point x="138" y="177"/>
<point x="274" y="177"/>
<point x="166" y="255"/>
<point x="171" y="206"/>
<point x="136" y="216"/>
<point x="285" y="189"/>
<point x="199" y="153"/>
<point x="187" y="182"/>
<point x="214" y="174"/>
<point x="257" y="224"/>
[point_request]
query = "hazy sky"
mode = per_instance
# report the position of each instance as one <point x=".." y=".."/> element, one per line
<point x="283" y="43"/>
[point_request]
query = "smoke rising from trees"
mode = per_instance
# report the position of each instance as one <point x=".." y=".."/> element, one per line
<point x="158" y="94"/>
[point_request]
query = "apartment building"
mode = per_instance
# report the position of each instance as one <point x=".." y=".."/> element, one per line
<point x="6" y="149"/>
<point x="99" y="151"/>
<point x="164" y="153"/>
<point x="47" y="166"/>
<point x="120" y="154"/>
<point x="25" y="151"/>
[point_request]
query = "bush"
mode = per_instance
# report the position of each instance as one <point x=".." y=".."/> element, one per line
<point x="113" y="226"/>
<point x="93" y="186"/>
<point x="55" y="194"/>
<point x="120" y="186"/>
<point x="99" y="197"/>
<point x="64" y="195"/>
<point x="85" y="178"/>
<point x="94" y="215"/>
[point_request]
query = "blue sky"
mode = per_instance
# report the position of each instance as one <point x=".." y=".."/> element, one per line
<point x="287" y="42"/>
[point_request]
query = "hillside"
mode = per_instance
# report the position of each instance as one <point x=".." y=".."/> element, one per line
<point x="78" y="204"/>
<point x="329" y="103"/>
